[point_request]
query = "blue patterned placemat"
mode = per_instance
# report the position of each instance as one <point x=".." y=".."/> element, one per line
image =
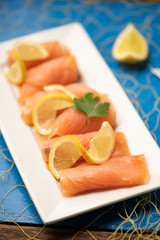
<point x="103" y="21"/>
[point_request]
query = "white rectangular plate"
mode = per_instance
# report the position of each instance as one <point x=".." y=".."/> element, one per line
<point x="42" y="187"/>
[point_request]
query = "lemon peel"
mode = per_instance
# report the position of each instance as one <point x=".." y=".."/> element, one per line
<point x="59" y="88"/>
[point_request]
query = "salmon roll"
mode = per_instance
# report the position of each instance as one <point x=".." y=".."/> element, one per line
<point x="54" y="48"/>
<point x="126" y="171"/>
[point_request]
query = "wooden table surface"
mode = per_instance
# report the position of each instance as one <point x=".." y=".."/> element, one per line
<point x="13" y="232"/>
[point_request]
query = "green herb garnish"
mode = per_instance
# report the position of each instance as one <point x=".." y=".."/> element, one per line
<point x="87" y="104"/>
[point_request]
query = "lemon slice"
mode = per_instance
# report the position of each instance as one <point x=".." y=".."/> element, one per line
<point x="66" y="151"/>
<point x="16" y="73"/>
<point x="102" y="145"/>
<point x="44" y="112"/>
<point x="58" y="88"/>
<point x="130" y="46"/>
<point x="28" y="50"/>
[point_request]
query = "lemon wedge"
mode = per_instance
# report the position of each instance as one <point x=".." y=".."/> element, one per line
<point x="130" y="46"/>
<point x="16" y="73"/>
<point x="44" y="112"/>
<point x="66" y="151"/>
<point x="58" y="88"/>
<point x="28" y="50"/>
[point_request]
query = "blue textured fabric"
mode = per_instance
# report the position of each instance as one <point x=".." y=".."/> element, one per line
<point x="103" y="21"/>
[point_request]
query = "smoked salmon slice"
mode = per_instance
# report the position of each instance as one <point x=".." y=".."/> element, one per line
<point x="121" y="146"/>
<point x="28" y="96"/>
<point x="62" y="70"/>
<point x="46" y="144"/>
<point x="26" y="113"/>
<point x="117" y="172"/>
<point x="79" y="89"/>
<point x="72" y="121"/>
<point x="26" y="90"/>
<point x="54" y="48"/>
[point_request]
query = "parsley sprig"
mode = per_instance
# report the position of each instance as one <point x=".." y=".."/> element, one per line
<point x="86" y="104"/>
